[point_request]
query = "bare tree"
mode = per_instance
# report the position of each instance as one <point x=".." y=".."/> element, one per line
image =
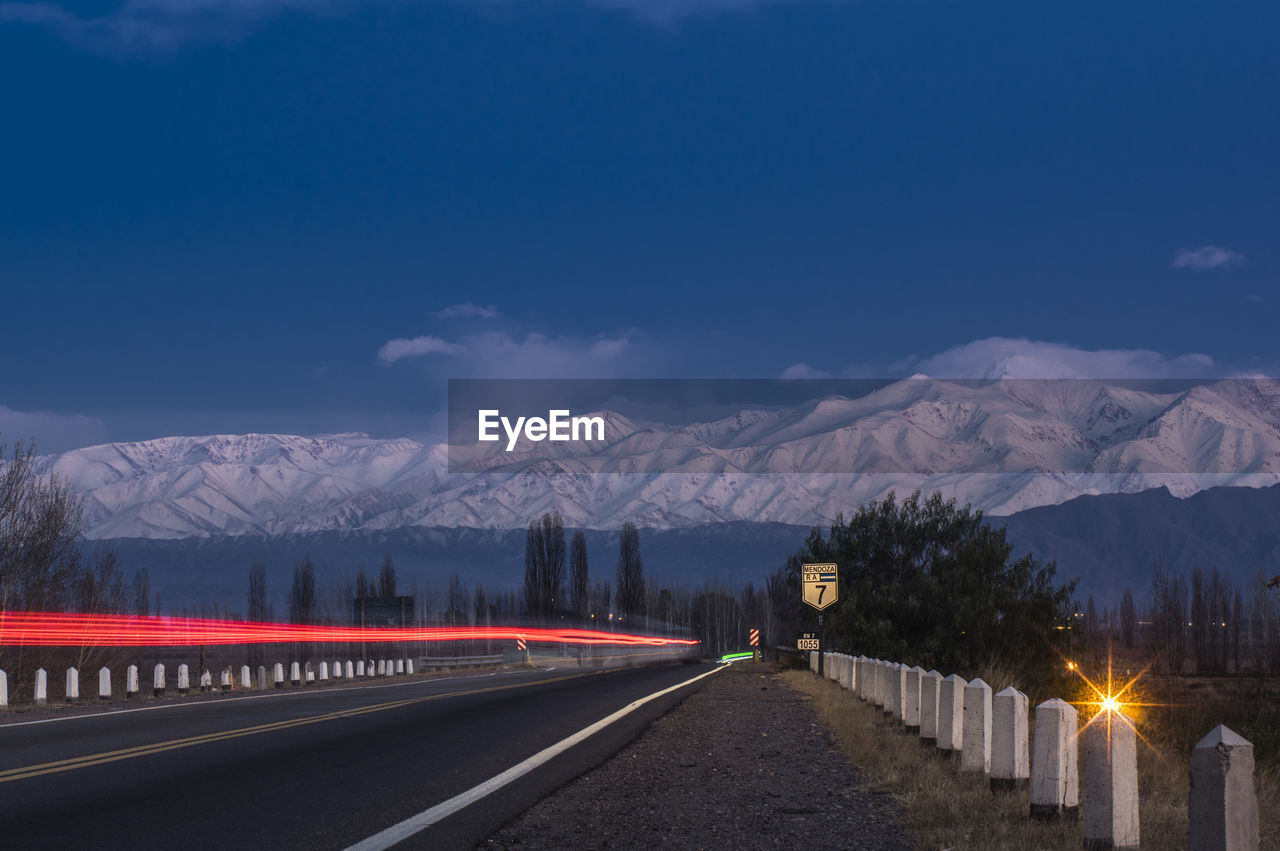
<point x="302" y="598"/>
<point x="1128" y="619"/>
<point x="141" y="592"/>
<point x="302" y="594"/>
<point x="544" y="565"/>
<point x="40" y="521"/>
<point x="1237" y="627"/>
<point x="387" y="578"/>
<point x="1168" y="617"/>
<point x="579" y="584"/>
<point x="630" y="573"/>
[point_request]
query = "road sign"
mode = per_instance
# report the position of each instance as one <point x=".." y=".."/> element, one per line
<point x="755" y="638"/>
<point x="520" y="645"/>
<point x="819" y="585"/>
<point x="807" y="644"/>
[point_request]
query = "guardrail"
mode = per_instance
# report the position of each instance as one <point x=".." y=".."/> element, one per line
<point x="298" y="676"/>
<point x="451" y="663"/>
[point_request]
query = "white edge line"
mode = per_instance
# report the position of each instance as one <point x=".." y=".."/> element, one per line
<point x="426" y="818"/>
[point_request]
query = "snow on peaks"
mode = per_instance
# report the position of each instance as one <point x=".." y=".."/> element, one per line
<point x="976" y="441"/>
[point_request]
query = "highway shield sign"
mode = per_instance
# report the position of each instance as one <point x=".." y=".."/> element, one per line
<point x="819" y="585"/>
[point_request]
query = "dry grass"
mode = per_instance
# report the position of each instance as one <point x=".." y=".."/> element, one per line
<point x="952" y="810"/>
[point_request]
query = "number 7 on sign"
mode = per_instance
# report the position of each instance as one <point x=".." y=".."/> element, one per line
<point x="815" y="581"/>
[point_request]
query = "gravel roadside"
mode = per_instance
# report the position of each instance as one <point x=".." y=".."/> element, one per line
<point x="742" y="763"/>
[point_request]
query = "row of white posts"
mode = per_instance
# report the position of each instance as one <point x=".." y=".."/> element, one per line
<point x="298" y="675"/>
<point x="988" y="734"/>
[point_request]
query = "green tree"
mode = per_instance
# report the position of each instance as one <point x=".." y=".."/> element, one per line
<point x="933" y="583"/>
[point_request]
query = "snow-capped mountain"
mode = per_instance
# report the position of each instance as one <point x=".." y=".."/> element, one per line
<point x="1002" y="446"/>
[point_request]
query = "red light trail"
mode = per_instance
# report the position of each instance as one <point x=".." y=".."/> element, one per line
<point x="46" y="629"/>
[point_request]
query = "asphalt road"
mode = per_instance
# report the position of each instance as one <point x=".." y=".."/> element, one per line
<point x="314" y="769"/>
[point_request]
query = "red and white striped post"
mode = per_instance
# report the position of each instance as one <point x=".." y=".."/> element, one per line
<point x="522" y="647"/>
<point x="755" y="645"/>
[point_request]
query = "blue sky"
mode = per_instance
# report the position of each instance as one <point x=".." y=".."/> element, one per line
<point x="218" y="216"/>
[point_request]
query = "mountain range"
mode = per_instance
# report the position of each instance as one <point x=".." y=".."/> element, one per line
<point x="1003" y="446"/>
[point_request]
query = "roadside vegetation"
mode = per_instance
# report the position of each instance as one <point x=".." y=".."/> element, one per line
<point x="950" y="809"/>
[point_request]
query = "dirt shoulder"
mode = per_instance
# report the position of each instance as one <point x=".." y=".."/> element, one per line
<point x="742" y="763"/>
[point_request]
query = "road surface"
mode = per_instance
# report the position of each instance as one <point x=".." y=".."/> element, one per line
<point x="316" y="769"/>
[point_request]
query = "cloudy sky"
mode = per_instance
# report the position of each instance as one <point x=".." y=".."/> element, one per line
<point x="305" y="215"/>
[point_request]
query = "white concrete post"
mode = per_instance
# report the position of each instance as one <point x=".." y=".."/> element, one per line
<point x="360" y="668"/>
<point x="184" y="679"/>
<point x="813" y="661"/>
<point x="350" y="670"/>
<point x="295" y="674"/>
<point x="860" y="677"/>
<point x="4" y="690"/>
<point x="157" y="680"/>
<point x="1055" y="778"/>
<point x="382" y="667"/>
<point x="408" y="666"/>
<point x="975" y="755"/>
<point x="206" y="681"/>
<point x="337" y="669"/>
<point x="897" y="686"/>
<point x="73" y="685"/>
<point x="278" y="675"/>
<point x="951" y="715"/>
<point x="849" y="676"/>
<point x="309" y="673"/>
<point x="324" y="671"/>
<point x="877" y="683"/>
<point x="1010" y="762"/>
<point x="131" y="682"/>
<point x="1223" y="806"/>
<point x="104" y="683"/>
<point x="42" y="687"/>
<point x="1111" y="782"/>
<point x="262" y="677"/>
<point x="390" y="667"/>
<point x="226" y="679"/>
<point x="911" y="699"/>
<point x="246" y="678"/>
<point x="929" y="685"/>
<point x="399" y="666"/>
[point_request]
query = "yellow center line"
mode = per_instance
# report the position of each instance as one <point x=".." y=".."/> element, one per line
<point x="27" y="771"/>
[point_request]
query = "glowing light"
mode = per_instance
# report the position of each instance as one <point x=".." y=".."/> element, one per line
<point x="1110" y="704"/>
<point x="45" y="629"/>
<point x="729" y="657"/>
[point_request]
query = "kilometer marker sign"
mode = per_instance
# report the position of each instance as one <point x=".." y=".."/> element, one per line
<point x="819" y="585"/>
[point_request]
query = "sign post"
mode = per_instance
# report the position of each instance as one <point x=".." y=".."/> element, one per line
<point x="820" y="587"/>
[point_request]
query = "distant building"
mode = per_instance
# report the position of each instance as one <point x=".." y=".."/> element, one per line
<point x="382" y="611"/>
